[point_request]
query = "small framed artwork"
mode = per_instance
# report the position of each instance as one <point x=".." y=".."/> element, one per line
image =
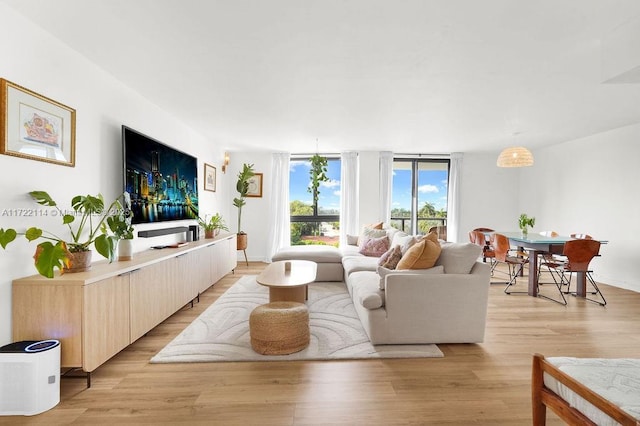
<point x="35" y="127"/>
<point x="255" y="185"/>
<point x="209" y="178"/>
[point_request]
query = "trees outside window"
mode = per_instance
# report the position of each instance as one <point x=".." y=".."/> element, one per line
<point x="419" y="194"/>
<point x="315" y="212"/>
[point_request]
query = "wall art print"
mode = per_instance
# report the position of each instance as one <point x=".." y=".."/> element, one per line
<point x="35" y="127"/>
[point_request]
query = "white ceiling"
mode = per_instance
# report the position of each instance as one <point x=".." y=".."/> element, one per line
<point x="408" y="76"/>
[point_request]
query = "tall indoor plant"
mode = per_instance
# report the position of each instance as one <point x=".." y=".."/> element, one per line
<point x="242" y="186"/>
<point x="87" y="226"/>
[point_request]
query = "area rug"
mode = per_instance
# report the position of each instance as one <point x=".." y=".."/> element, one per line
<point x="221" y="332"/>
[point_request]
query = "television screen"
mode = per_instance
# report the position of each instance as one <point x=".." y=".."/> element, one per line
<point x="162" y="181"/>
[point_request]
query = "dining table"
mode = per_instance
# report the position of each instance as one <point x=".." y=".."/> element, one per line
<point x="536" y="244"/>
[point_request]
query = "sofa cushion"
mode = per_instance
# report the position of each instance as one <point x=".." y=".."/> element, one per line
<point x="384" y="272"/>
<point x="315" y="253"/>
<point x="353" y="264"/>
<point x="421" y="255"/>
<point x="458" y="258"/>
<point x="364" y="289"/>
<point x="374" y="246"/>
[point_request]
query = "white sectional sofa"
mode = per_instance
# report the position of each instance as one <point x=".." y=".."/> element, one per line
<point x="443" y="304"/>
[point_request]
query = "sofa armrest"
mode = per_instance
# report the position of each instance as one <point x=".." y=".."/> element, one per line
<point x="456" y="303"/>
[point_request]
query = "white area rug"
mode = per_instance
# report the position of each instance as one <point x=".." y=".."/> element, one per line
<point x="221" y="332"/>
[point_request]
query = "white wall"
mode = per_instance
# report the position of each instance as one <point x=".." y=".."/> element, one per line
<point x="590" y="186"/>
<point x="42" y="64"/>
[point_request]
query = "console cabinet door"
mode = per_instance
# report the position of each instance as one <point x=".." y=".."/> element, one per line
<point x="105" y="319"/>
<point x="152" y="297"/>
<point x="49" y="310"/>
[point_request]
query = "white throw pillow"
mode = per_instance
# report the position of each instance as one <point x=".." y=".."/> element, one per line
<point x="458" y="258"/>
<point x="383" y="272"/>
<point x="404" y="241"/>
<point x="352" y="240"/>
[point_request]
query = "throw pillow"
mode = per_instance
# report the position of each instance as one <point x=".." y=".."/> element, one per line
<point x="384" y="272"/>
<point x="459" y="258"/>
<point x="374" y="246"/>
<point x="405" y="242"/>
<point x="385" y="256"/>
<point x="370" y="233"/>
<point x="422" y="255"/>
<point x="352" y="240"/>
<point x="392" y="260"/>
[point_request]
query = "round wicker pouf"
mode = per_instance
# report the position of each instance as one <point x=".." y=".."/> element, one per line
<point x="279" y="328"/>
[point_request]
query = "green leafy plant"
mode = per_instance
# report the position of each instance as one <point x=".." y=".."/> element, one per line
<point x="242" y="186"/>
<point x="318" y="174"/>
<point x="87" y="225"/>
<point x="525" y="221"/>
<point x="214" y="223"/>
<point x="120" y="222"/>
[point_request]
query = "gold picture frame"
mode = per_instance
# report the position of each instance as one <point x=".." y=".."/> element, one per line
<point x="35" y="127"/>
<point x="209" y="178"/>
<point x="255" y="186"/>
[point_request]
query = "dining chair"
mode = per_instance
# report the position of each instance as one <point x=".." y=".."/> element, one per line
<point x="582" y="236"/>
<point x="579" y="253"/>
<point x="547" y="259"/>
<point x="515" y="264"/>
<point x="480" y="238"/>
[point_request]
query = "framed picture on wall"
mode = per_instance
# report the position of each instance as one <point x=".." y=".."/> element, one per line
<point x="209" y="178"/>
<point x="35" y="127"/>
<point x="255" y="185"/>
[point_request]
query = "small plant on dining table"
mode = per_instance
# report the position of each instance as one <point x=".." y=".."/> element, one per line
<point x="524" y="222"/>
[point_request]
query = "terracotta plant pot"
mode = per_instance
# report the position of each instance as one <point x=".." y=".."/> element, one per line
<point x="209" y="233"/>
<point x="242" y="241"/>
<point x="79" y="261"/>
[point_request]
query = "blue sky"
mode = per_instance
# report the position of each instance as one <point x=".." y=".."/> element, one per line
<point x="329" y="191"/>
<point x="432" y="186"/>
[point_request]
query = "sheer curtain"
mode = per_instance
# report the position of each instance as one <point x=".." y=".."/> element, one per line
<point x="279" y="219"/>
<point x="386" y="179"/>
<point x="453" y="208"/>
<point x="348" y="196"/>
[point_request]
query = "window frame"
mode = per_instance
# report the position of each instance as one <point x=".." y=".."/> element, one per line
<point x="413" y="217"/>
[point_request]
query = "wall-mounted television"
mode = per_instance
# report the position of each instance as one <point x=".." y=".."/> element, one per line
<point x="162" y="181"/>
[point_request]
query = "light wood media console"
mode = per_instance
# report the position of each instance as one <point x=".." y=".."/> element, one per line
<point x="96" y="314"/>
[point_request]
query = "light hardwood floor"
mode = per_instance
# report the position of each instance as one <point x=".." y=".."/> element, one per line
<point x="487" y="384"/>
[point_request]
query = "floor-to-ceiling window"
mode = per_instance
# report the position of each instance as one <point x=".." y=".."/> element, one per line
<point x="419" y="194"/>
<point x="314" y="222"/>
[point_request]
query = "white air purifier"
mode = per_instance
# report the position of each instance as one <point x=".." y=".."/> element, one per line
<point x="29" y="377"/>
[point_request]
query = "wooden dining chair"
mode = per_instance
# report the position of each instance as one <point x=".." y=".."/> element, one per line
<point x="579" y="254"/>
<point x="515" y="264"/>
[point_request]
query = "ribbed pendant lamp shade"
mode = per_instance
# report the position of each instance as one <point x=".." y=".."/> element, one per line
<point x="515" y="156"/>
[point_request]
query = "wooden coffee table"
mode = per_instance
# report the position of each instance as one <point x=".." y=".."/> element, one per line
<point x="288" y="285"/>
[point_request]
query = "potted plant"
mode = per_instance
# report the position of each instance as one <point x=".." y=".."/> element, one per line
<point x="120" y="225"/>
<point x="87" y="225"/>
<point x="212" y="226"/>
<point x="242" y="186"/>
<point x="524" y="222"/>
